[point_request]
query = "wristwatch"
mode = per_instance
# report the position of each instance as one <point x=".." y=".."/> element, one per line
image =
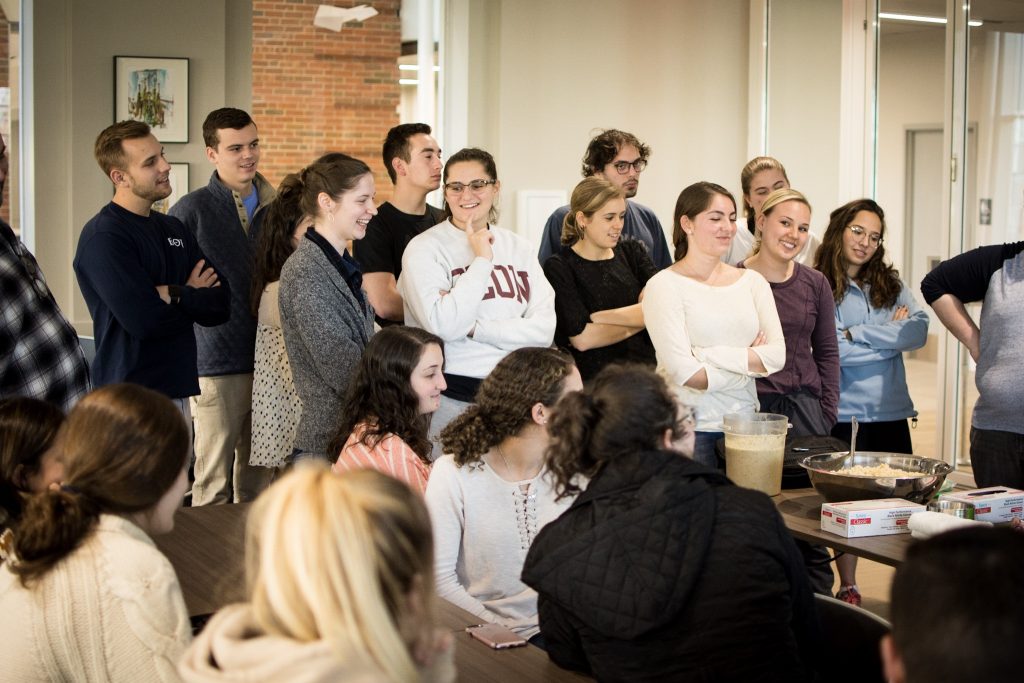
<point x="174" y="292"/>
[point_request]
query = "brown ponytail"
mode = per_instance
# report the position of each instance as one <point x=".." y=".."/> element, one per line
<point x="626" y="409"/>
<point x="122" y="448"/>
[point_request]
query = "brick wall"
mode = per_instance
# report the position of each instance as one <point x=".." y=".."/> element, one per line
<point x="315" y="90"/>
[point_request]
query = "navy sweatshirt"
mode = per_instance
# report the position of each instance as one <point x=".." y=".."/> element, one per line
<point x="121" y="259"/>
<point x="216" y="216"/>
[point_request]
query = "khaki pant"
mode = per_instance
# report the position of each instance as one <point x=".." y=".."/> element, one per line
<point x="222" y="415"/>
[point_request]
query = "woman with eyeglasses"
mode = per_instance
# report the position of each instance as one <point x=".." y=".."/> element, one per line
<point x="877" y="319"/>
<point x="661" y="569"/>
<point x="475" y="285"/>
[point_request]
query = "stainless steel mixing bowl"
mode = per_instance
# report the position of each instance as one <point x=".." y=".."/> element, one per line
<point x="828" y="479"/>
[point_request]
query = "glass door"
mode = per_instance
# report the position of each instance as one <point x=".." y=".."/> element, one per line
<point x="993" y="207"/>
<point x="912" y="176"/>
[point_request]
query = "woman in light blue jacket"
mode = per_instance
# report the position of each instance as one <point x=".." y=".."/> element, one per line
<point x="877" y="320"/>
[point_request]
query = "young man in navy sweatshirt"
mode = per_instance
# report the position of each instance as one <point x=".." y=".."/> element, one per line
<point x="143" y="275"/>
<point x="225" y="216"/>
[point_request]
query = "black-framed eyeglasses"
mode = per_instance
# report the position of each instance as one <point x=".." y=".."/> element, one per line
<point x="474" y="185"/>
<point x="874" y="238"/>
<point x="623" y="166"/>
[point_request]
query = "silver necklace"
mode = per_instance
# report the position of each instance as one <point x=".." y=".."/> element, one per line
<point x="508" y="468"/>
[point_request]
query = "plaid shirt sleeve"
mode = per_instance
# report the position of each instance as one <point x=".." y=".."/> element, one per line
<point x="40" y="355"/>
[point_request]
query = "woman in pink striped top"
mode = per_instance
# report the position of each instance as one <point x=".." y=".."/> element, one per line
<point x="386" y="415"/>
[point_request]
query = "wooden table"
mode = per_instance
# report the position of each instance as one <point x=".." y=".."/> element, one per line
<point x="477" y="662"/>
<point x="207" y="550"/>
<point x="801" y="510"/>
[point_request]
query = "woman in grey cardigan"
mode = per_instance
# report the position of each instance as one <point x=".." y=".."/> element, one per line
<point x="325" y="316"/>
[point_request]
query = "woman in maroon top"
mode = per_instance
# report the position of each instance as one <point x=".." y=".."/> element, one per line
<point x="806" y="390"/>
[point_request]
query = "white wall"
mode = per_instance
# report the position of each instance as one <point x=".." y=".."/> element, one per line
<point x="910" y="94"/>
<point x="804" y="68"/>
<point x="673" y="73"/>
<point x="75" y="44"/>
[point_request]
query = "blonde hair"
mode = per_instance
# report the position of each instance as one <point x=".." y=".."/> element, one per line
<point x="589" y="195"/>
<point x="784" y="194"/>
<point x="336" y="558"/>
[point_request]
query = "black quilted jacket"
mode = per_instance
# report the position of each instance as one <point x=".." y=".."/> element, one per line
<point x="663" y="570"/>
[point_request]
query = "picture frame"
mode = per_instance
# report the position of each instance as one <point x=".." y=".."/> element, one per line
<point x="153" y="90"/>
<point x="179" y="188"/>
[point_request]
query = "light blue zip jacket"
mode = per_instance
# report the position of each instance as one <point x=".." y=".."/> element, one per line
<point x="872" y="379"/>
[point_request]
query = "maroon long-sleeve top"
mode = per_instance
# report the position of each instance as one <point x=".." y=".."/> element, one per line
<point x="808" y="316"/>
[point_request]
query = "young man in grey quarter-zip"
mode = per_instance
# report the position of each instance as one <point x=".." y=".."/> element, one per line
<point x="224" y="216"/>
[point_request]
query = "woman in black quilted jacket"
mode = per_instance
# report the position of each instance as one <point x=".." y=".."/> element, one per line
<point x="662" y="569"/>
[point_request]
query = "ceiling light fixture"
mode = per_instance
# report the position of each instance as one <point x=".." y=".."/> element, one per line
<point x="921" y="19"/>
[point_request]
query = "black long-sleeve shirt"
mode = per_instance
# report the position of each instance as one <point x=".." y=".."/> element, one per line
<point x="121" y="259"/>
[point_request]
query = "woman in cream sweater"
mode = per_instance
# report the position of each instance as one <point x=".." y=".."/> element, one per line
<point x="714" y="327"/>
<point x="88" y="597"/>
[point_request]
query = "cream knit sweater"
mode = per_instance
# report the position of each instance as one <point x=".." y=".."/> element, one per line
<point x="111" y="611"/>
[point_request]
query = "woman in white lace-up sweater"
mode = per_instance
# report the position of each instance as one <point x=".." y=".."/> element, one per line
<point x="87" y="596"/>
<point x="491" y="494"/>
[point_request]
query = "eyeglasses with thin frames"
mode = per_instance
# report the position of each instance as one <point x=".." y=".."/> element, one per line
<point x="623" y="166"/>
<point x="875" y="239"/>
<point x="474" y="185"/>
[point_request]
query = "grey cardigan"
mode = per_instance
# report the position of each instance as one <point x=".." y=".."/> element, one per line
<point x="325" y="329"/>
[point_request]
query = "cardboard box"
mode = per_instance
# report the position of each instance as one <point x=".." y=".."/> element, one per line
<point x="993" y="504"/>
<point x="859" y="518"/>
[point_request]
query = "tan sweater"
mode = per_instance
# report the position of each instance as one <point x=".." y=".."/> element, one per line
<point x="232" y="647"/>
<point x="111" y="611"/>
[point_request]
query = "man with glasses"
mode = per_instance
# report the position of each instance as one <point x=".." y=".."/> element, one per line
<point x="412" y="158"/>
<point x="40" y="356"/>
<point x="619" y="158"/>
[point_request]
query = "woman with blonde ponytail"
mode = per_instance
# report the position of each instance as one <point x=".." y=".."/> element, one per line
<point x="87" y="596"/>
<point x="490" y="494"/>
<point x="339" y="569"/>
<point x="662" y="569"/>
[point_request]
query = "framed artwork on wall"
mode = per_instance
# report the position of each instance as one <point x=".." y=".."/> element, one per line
<point x="179" y="188"/>
<point x="153" y="90"/>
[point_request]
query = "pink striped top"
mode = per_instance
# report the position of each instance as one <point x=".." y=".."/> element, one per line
<point x="390" y="455"/>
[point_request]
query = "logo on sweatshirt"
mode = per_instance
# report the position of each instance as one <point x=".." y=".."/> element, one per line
<point x="176" y="242"/>
<point x="506" y="283"/>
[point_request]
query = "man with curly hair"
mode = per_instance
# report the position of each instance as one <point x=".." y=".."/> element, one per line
<point x="619" y="158"/>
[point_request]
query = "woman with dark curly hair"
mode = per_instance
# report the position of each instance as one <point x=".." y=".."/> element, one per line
<point x="490" y="494"/>
<point x="662" y="570"/>
<point x="386" y="414"/>
<point x="877" y="319"/>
